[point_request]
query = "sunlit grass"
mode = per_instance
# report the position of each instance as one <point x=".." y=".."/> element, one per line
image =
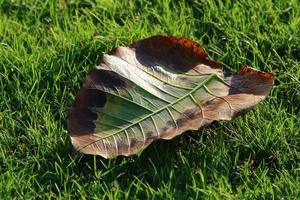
<point x="47" y="48"/>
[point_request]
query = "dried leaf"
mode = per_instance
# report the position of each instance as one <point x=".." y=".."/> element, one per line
<point x="157" y="88"/>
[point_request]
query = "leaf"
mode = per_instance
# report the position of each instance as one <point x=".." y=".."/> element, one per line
<point x="157" y="88"/>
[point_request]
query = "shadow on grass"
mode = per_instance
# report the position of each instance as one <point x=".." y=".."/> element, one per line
<point x="163" y="162"/>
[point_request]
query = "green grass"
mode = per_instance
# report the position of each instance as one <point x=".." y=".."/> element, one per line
<point x="47" y="48"/>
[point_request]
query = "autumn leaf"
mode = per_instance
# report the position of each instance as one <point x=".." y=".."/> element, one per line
<point x="157" y="88"/>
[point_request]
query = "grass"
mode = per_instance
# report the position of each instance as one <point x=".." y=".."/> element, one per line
<point x="47" y="48"/>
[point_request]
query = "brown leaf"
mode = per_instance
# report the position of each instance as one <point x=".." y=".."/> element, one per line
<point x="157" y="88"/>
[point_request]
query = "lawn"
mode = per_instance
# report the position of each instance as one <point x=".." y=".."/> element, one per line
<point x="48" y="47"/>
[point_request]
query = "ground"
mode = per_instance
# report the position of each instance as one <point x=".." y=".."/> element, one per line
<point x="47" y="48"/>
